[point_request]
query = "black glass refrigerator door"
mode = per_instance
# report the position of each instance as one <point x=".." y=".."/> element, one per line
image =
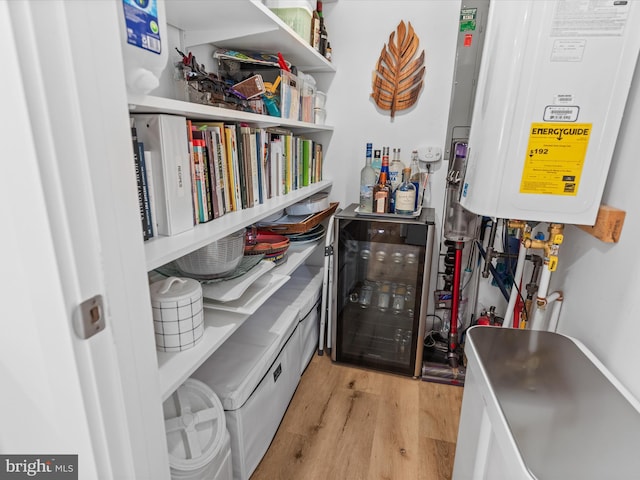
<point x="380" y="289"/>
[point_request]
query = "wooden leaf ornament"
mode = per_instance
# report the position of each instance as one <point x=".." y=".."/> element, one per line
<point x="397" y="79"/>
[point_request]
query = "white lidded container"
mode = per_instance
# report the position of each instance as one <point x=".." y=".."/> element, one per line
<point x="197" y="436"/>
<point x="144" y="40"/>
<point x="178" y="319"/>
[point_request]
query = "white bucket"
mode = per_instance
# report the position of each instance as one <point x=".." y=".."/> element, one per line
<point x="144" y="40"/>
<point x="197" y="436"/>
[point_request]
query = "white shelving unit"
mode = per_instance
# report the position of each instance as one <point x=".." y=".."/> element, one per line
<point x="241" y="25"/>
<point x="175" y="368"/>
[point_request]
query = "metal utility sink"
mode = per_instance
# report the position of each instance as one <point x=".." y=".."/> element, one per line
<point x="548" y="400"/>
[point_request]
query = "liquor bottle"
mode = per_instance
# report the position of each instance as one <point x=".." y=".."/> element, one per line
<point x="324" y="38"/>
<point x="405" y="194"/>
<point x="367" y="182"/>
<point x="416" y="175"/>
<point x="382" y="190"/>
<point x="377" y="162"/>
<point x="395" y="169"/>
<point x="315" y="30"/>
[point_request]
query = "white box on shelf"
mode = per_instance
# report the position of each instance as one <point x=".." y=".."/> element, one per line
<point x="166" y="137"/>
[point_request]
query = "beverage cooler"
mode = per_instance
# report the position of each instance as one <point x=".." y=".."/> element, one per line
<point x="382" y="265"/>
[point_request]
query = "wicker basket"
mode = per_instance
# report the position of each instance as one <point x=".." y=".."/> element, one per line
<point x="215" y="260"/>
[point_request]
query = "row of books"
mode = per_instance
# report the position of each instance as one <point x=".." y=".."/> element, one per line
<point x="191" y="172"/>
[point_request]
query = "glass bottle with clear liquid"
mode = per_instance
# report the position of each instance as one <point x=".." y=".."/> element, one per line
<point x="416" y="176"/>
<point x="368" y="180"/>
<point x="395" y="169"/>
<point x="405" y="195"/>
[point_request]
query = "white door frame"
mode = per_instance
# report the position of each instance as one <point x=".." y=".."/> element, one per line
<point x="66" y="186"/>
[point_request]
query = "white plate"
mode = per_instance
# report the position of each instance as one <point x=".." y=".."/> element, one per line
<point x="259" y="292"/>
<point x="233" y="289"/>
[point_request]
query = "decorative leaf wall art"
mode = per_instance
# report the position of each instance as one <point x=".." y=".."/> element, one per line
<point x="397" y="79"/>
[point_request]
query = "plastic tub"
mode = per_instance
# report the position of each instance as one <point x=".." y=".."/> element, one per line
<point x="145" y="45"/>
<point x="197" y="435"/>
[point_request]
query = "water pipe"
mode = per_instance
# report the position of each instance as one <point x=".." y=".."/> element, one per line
<point x="551" y="247"/>
<point x="517" y="277"/>
<point x="555" y="312"/>
<point x="496" y="275"/>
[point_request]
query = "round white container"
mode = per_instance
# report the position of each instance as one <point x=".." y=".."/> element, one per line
<point x="197" y="436"/>
<point x="145" y="43"/>
<point x="178" y="319"/>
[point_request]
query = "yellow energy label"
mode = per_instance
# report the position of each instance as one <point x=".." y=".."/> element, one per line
<point x="555" y="157"/>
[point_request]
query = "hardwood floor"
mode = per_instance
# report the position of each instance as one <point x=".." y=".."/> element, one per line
<point x="347" y="423"/>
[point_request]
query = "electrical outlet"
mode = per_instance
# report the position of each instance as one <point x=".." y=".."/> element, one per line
<point x="430" y="154"/>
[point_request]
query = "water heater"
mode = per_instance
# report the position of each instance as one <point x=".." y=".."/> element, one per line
<point x="551" y="95"/>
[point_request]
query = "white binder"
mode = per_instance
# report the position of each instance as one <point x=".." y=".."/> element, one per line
<point x="166" y="137"/>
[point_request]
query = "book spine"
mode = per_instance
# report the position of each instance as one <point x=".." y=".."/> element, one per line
<point x="222" y="167"/>
<point x="145" y="191"/>
<point x="255" y="162"/>
<point x="152" y="190"/>
<point x="136" y="163"/>
<point x="217" y="188"/>
<point x="194" y="174"/>
<point x="306" y="162"/>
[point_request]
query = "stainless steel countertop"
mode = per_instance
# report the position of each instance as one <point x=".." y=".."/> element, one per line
<point x="567" y="419"/>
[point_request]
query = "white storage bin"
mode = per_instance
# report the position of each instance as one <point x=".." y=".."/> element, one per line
<point x="304" y="292"/>
<point x="255" y="374"/>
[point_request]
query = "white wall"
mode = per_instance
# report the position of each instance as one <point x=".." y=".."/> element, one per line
<point x="601" y="281"/>
<point x="358" y="30"/>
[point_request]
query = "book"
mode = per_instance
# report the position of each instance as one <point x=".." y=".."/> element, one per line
<point x="243" y="150"/>
<point x="255" y="162"/>
<point x="218" y="133"/>
<point x="232" y="160"/>
<point x="166" y="137"/>
<point x="307" y="161"/>
<point x="317" y="162"/>
<point x="151" y="188"/>
<point x="144" y="220"/>
<point x="192" y="171"/>
<point x="201" y="193"/>
<point x="215" y="169"/>
<point x="145" y="191"/>
<point x="288" y="163"/>
<point x="217" y="142"/>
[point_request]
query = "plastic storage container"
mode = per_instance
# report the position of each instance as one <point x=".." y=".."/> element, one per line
<point x="197" y="437"/>
<point x="143" y="35"/>
<point x="295" y="13"/>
